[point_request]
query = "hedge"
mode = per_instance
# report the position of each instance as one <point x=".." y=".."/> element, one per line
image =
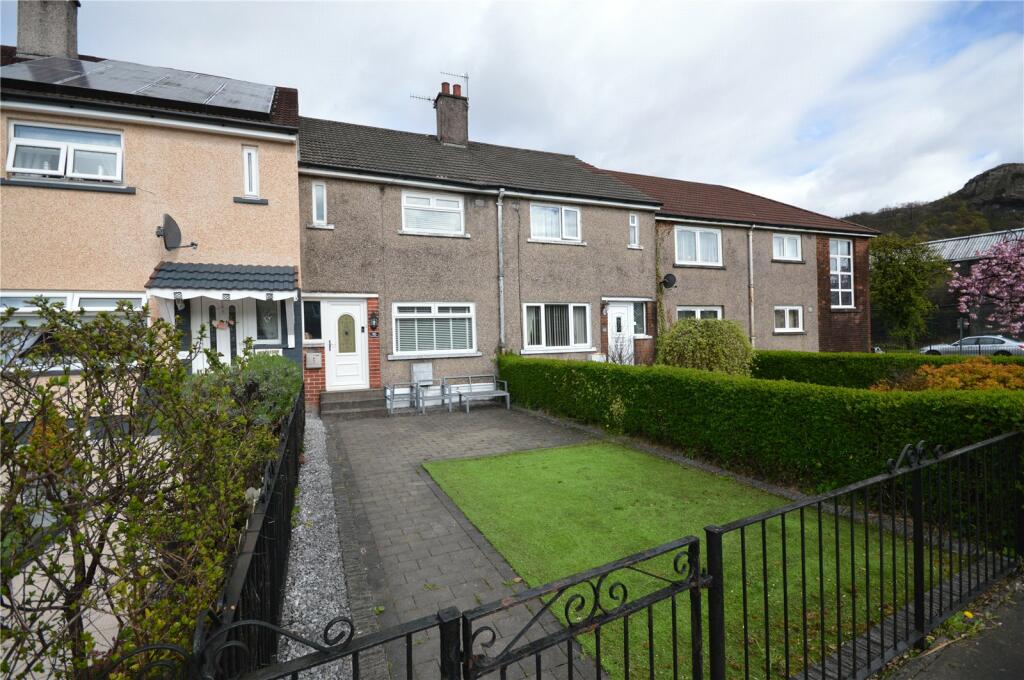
<point x="794" y="433"/>
<point x="848" y="369"/>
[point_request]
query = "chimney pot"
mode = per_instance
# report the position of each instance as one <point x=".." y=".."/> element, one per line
<point x="457" y="90"/>
<point x="445" y="88"/>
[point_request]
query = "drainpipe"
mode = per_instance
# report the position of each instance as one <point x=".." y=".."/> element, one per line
<point x="501" y="272"/>
<point x="750" y="284"/>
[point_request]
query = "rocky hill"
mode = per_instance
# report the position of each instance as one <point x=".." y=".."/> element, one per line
<point x="992" y="201"/>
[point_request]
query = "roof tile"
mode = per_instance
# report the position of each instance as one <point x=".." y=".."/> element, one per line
<point x="193" y="275"/>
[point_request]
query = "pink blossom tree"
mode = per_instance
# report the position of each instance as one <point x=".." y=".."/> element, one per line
<point x="996" y="281"/>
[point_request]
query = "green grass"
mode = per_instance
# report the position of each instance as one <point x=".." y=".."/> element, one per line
<point x="555" y="512"/>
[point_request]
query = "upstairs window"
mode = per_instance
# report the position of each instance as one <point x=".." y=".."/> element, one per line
<point x="438" y="214"/>
<point x="434" y="328"/>
<point x="840" y="271"/>
<point x="251" y="171"/>
<point x="556" y="326"/>
<point x="634" y="230"/>
<point x="698" y="246"/>
<point x="786" y="247"/>
<point x="62" y="151"/>
<point x="554" y="222"/>
<point x="319" y="204"/>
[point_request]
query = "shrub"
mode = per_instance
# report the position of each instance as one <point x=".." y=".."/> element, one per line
<point x="262" y="386"/>
<point x="977" y="373"/>
<point x="706" y="344"/>
<point x="850" y="369"/>
<point x="810" y="435"/>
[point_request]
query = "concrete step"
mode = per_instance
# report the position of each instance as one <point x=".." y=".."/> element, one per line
<point x="351" y="396"/>
<point x="349" y="412"/>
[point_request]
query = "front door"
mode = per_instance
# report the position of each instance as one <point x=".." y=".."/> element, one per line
<point x="620" y="333"/>
<point x="346" y="357"/>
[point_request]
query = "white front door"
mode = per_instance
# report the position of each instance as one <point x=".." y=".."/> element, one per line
<point x="620" y="333"/>
<point x="223" y="322"/>
<point x="346" y="358"/>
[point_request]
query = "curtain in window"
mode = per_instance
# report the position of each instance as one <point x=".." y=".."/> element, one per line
<point x="579" y="325"/>
<point x="545" y="221"/>
<point x="572" y="223"/>
<point x="686" y="246"/>
<point x="556" y="325"/>
<point x="37" y="157"/>
<point x="533" y="326"/>
<point x="708" y="247"/>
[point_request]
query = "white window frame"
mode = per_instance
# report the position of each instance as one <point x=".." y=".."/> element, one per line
<point x="578" y="238"/>
<point x="642" y="332"/>
<point x="787" y="309"/>
<point x="697" y="309"/>
<point x="433" y="198"/>
<point x="633" y="239"/>
<point x="67" y="151"/>
<point x="250" y="182"/>
<point x="433" y="314"/>
<point x="799" y="248"/>
<point x="697" y="231"/>
<point x="838" y="272"/>
<point x="573" y="346"/>
<point x="279" y="340"/>
<point x="322" y="221"/>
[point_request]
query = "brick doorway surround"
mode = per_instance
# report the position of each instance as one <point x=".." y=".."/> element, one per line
<point x="315" y="378"/>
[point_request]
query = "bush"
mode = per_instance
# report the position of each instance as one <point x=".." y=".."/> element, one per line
<point x="706" y="344"/>
<point x="850" y="369"/>
<point x="263" y="387"/>
<point x="809" y="435"/>
<point x="977" y="373"/>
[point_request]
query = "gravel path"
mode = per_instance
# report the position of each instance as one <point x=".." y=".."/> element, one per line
<point x="316" y="591"/>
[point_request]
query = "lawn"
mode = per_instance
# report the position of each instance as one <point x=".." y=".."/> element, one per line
<point x="555" y="512"/>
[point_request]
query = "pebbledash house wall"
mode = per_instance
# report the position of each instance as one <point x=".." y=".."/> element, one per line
<point x="775" y="283"/>
<point x="365" y="253"/>
<point x="845" y="330"/>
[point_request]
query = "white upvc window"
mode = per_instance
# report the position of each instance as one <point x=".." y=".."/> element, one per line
<point x="251" y="171"/>
<point x="698" y="312"/>
<point x="840" y="272"/>
<point x="319" y="191"/>
<point x="786" y="247"/>
<point x="268" y="322"/>
<point x="639" y="318"/>
<point x="434" y="328"/>
<point x="65" y="151"/>
<point x="556" y="326"/>
<point x="432" y="214"/>
<point x="634" y="231"/>
<point x="698" y="246"/>
<point x="789" y="319"/>
<point x="550" y="222"/>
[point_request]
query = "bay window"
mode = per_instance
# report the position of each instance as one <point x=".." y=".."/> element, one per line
<point x="434" y="328"/>
<point x="556" y="326"/>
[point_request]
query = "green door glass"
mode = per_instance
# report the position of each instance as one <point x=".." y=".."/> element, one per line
<point x="346" y="334"/>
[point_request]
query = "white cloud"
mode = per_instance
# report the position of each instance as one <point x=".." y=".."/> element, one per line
<point x="835" y="107"/>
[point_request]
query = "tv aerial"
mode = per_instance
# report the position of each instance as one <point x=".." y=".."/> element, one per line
<point x="171" y="234"/>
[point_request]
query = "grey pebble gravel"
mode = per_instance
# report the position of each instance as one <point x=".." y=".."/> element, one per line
<point x="315" y="592"/>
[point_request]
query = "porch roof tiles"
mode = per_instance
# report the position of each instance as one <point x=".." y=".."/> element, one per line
<point x="193" y="275"/>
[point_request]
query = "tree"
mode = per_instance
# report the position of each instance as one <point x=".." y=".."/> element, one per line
<point x="996" y="281"/>
<point x="902" y="271"/>
<point x="123" y="485"/>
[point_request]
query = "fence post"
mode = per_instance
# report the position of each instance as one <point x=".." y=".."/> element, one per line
<point x="1018" y="496"/>
<point x="917" y="517"/>
<point x="716" y="604"/>
<point x="451" y="649"/>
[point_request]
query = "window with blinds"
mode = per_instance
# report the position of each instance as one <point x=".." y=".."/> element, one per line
<point x="424" y="213"/>
<point x="556" y="326"/>
<point x="438" y="328"/>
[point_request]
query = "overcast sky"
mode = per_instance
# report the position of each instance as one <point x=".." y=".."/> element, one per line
<point x="836" y="107"/>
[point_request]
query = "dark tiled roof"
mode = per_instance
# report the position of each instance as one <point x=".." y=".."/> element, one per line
<point x="680" y="198"/>
<point x="189" y="275"/>
<point x="360" y="148"/>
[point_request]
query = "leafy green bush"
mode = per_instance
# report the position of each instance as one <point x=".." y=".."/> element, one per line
<point x="810" y="435"/>
<point x="262" y="386"/>
<point x="706" y="344"/>
<point x="849" y="369"/>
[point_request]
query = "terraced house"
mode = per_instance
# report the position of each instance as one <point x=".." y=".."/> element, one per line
<point x="153" y="185"/>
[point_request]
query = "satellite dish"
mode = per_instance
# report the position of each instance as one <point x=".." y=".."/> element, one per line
<point x="171" y="234"/>
<point x="669" y="281"/>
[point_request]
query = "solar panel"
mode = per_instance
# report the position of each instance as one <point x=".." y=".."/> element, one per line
<point x="128" y="78"/>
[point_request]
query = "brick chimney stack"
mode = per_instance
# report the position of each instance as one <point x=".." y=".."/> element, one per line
<point x="452" y="115"/>
<point x="48" y="28"/>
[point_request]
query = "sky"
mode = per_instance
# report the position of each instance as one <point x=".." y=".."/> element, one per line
<point x="836" y="107"/>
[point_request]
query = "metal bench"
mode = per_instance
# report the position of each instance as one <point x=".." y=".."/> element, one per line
<point x="467" y="388"/>
<point x="410" y="399"/>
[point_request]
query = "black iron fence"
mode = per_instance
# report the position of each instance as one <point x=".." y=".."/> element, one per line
<point x="833" y="586"/>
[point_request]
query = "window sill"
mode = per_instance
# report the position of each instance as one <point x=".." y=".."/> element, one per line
<point x="844" y="310"/>
<point x="250" y="200"/>
<point x="679" y="265"/>
<point x="324" y="227"/>
<point x="782" y="261"/>
<point x="556" y="242"/>
<point x="634" y="247"/>
<point x="72" y="186"/>
<point x="313" y="343"/>
<point x="434" y="355"/>
<point x="789" y="332"/>
<point x="643" y="336"/>
<point x="406" y="232"/>
<point x="559" y="350"/>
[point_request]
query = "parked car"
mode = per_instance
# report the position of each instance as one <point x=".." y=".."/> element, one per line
<point x="993" y="345"/>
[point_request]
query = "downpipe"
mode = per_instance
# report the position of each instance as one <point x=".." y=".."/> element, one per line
<point x="501" y="271"/>
<point x="750" y="284"/>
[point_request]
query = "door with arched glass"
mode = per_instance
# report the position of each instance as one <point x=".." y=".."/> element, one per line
<point x="345" y="346"/>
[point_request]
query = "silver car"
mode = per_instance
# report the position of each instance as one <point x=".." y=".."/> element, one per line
<point x="992" y="345"/>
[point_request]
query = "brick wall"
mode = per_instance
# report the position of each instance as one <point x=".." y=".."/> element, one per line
<point x="643" y="348"/>
<point x="373" y="345"/>
<point x="844" y="330"/>
<point x="313" y="377"/>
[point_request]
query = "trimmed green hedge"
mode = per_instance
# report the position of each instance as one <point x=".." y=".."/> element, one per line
<point x="848" y="369"/>
<point x="809" y="435"/>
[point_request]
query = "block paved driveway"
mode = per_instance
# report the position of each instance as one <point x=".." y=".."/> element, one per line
<point x="407" y="549"/>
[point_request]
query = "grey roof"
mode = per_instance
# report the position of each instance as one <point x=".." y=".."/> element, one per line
<point x="360" y="148"/>
<point x="190" y="276"/>
<point x="961" y="248"/>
